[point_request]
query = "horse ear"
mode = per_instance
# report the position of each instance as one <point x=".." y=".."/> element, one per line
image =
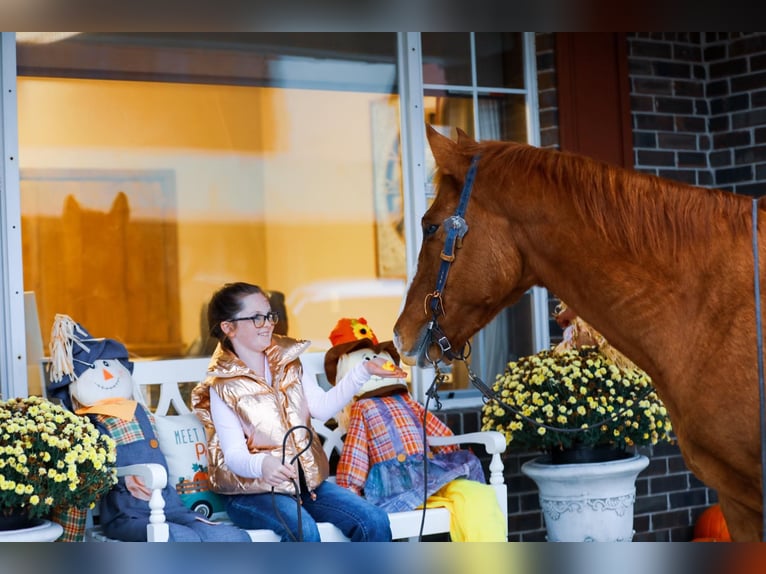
<point x="446" y="153"/>
<point x="463" y="138"/>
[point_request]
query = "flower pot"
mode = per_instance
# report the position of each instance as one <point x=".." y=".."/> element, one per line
<point x="580" y="454"/>
<point x="591" y="502"/>
<point x="17" y="526"/>
<point x="42" y="531"/>
<point x="16" y="519"/>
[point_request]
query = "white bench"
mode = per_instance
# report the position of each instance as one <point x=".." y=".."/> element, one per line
<point x="160" y="380"/>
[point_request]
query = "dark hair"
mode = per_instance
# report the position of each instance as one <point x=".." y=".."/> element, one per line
<point x="225" y="304"/>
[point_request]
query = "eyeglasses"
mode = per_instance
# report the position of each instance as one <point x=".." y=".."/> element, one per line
<point x="259" y="320"/>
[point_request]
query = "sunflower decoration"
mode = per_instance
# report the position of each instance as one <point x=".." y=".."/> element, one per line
<point x="360" y="330"/>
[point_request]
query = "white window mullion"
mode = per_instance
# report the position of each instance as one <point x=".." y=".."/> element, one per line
<point x="540" y="325"/>
<point x="13" y="367"/>
<point x="474" y="90"/>
<point x="413" y="143"/>
<point x="530" y="82"/>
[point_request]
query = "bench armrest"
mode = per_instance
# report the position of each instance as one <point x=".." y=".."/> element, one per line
<point x="493" y="442"/>
<point x="152" y="475"/>
<point x="155" y="477"/>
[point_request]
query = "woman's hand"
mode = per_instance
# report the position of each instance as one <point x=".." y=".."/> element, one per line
<point x="137" y="488"/>
<point x="382" y="367"/>
<point x="275" y="473"/>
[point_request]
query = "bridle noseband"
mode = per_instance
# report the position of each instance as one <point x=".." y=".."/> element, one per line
<point x="456" y="229"/>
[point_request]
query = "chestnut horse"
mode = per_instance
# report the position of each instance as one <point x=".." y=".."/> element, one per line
<point x="662" y="269"/>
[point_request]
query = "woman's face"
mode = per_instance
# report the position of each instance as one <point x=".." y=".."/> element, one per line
<point x="243" y="333"/>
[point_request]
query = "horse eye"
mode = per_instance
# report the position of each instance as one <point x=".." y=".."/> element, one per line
<point x="430" y="229"/>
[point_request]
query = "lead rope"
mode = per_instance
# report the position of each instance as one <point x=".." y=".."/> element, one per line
<point x="432" y="392"/>
<point x="759" y="339"/>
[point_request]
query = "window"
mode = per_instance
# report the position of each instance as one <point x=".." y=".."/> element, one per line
<point x="154" y="167"/>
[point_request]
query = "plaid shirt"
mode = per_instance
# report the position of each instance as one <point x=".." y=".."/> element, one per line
<point x="122" y="431"/>
<point x="370" y="440"/>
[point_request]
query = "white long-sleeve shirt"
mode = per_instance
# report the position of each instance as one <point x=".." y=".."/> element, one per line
<point x="322" y="405"/>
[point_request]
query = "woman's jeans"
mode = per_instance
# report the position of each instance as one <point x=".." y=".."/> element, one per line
<point x="358" y="519"/>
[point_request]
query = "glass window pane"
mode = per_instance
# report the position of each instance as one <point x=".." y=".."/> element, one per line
<point x="449" y="109"/>
<point x="445" y="112"/>
<point x="446" y="58"/>
<point x="500" y="59"/>
<point x="140" y="198"/>
<point x="503" y="117"/>
<point x="508" y="336"/>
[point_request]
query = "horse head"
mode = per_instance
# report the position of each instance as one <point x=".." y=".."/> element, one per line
<point x="457" y="291"/>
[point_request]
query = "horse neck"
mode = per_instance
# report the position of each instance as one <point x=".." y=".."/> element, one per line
<point x="606" y="297"/>
<point x="645" y="303"/>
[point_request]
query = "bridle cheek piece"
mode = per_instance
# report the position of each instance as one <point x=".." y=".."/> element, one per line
<point x="456" y="228"/>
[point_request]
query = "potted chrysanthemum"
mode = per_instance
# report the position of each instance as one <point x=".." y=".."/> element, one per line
<point x="51" y="460"/>
<point x="575" y="403"/>
<point x="587" y="414"/>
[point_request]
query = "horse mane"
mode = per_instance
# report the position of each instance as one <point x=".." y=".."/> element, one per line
<point x="632" y="209"/>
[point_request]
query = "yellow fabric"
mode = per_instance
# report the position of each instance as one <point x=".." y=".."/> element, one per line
<point x="475" y="515"/>
<point x="116" y="407"/>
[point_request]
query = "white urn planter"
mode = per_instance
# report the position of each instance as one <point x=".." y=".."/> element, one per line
<point x="588" y="502"/>
<point x="42" y="531"/>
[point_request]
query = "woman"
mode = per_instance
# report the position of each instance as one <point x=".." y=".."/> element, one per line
<point x="256" y="411"/>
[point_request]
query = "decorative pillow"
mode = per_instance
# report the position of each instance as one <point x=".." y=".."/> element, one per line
<point x="182" y="441"/>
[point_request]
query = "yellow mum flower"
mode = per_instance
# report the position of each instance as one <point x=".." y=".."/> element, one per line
<point x="582" y="384"/>
<point x="42" y="443"/>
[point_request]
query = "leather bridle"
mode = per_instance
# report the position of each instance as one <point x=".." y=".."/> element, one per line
<point x="456" y="228"/>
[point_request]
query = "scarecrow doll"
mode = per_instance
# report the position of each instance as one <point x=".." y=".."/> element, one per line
<point x="93" y="377"/>
<point x="384" y="457"/>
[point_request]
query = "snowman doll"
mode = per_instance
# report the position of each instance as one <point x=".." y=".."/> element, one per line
<point x="93" y="377"/>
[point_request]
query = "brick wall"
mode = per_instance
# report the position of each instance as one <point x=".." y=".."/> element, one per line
<point x="547" y="95"/>
<point x="699" y="107"/>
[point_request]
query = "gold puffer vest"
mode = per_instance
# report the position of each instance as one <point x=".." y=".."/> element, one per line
<point x="266" y="412"/>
